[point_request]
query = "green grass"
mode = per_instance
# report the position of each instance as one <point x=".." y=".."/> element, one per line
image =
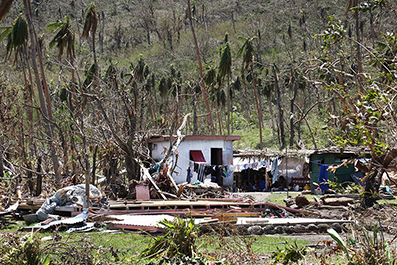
<point x="268" y="244"/>
<point x="260" y="244"/>
<point x="128" y="245"/>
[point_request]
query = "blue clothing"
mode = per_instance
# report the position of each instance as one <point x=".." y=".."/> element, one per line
<point x="274" y="170"/>
<point x="189" y="175"/>
<point x="323" y="178"/>
<point x="262" y="185"/>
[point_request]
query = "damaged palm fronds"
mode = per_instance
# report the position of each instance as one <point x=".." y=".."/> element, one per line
<point x="30" y="248"/>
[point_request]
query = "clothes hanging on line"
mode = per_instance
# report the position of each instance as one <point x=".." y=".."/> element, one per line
<point x="274" y="170"/>
<point x="224" y="171"/>
<point x="201" y="172"/>
<point x="255" y="166"/>
<point x="189" y="175"/>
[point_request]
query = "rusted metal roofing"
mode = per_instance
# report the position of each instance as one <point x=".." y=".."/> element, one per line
<point x="164" y="138"/>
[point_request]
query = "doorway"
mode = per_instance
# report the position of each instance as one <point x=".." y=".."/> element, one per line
<point x="216" y="160"/>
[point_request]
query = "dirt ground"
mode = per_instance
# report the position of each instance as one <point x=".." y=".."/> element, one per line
<point x="255" y="196"/>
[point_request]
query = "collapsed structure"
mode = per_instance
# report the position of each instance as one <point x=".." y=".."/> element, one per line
<point x="189" y="176"/>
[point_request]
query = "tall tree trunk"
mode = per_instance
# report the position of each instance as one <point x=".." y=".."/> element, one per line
<point x="358" y="45"/>
<point x="156" y="109"/>
<point x="64" y="144"/>
<point x="219" y="117"/>
<point x="291" y="120"/>
<point x="87" y="169"/>
<point x="39" y="177"/>
<point x="194" y="113"/>
<point x="229" y="109"/>
<point x="245" y="105"/>
<point x="1" y="158"/>
<point x="46" y="110"/>
<point x="71" y="61"/>
<point x="32" y="98"/>
<point x="269" y="100"/>
<point x="96" y="63"/>
<point x="93" y="179"/>
<point x="280" y="110"/>
<point x="27" y="89"/>
<point x="372" y="188"/>
<point x="258" y="108"/>
<point x="205" y="92"/>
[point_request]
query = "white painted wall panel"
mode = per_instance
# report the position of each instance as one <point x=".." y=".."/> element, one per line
<point x="158" y="152"/>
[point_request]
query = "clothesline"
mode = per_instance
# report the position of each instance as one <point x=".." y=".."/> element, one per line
<point x="235" y="166"/>
<point x="203" y="170"/>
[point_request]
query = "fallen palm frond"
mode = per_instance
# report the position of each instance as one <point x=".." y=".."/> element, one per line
<point x="178" y="239"/>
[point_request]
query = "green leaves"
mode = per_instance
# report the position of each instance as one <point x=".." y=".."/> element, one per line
<point x="246" y="51"/>
<point x="64" y="39"/>
<point x="333" y="35"/>
<point x="225" y="63"/>
<point x="17" y="36"/>
<point x="339" y="240"/>
<point x="291" y="254"/>
<point x="178" y="239"/>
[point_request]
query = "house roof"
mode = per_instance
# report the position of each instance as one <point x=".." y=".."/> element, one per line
<point x="164" y="138"/>
<point x="266" y="154"/>
<point x="346" y="150"/>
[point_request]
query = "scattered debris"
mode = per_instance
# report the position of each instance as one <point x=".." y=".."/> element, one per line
<point x="72" y="195"/>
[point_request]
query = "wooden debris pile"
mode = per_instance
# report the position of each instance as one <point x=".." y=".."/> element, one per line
<point x="7" y="216"/>
<point x="326" y="201"/>
<point x="162" y="186"/>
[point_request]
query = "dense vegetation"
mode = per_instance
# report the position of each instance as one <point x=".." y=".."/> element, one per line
<point x="106" y="75"/>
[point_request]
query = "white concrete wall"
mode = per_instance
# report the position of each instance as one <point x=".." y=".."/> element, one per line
<point x="158" y="152"/>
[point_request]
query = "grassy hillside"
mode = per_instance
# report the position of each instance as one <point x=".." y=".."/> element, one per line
<point x="158" y="32"/>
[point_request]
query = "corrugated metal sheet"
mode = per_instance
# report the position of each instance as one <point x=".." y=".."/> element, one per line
<point x="81" y="218"/>
<point x="136" y="222"/>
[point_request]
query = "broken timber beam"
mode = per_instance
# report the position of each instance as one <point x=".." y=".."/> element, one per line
<point x="147" y="175"/>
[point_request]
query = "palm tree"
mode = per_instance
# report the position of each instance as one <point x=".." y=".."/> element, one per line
<point x="225" y="65"/>
<point x="64" y="39"/>
<point x="164" y="87"/>
<point x="17" y="38"/>
<point x="247" y="52"/>
<point x="44" y="98"/>
<point x="90" y="26"/>
<point x="205" y="92"/>
<point x="236" y="86"/>
<point x="268" y="92"/>
<point x="210" y="80"/>
<point x="280" y="109"/>
<point x="353" y="5"/>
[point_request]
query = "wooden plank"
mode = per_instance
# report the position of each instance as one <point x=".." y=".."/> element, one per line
<point x="147" y="175"/>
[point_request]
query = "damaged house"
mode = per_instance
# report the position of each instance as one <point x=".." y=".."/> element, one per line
<point x="198" y="158"/>
<point x="262" y="170"/>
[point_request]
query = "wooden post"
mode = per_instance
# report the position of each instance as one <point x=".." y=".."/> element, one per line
<point x="39" y="177"/>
